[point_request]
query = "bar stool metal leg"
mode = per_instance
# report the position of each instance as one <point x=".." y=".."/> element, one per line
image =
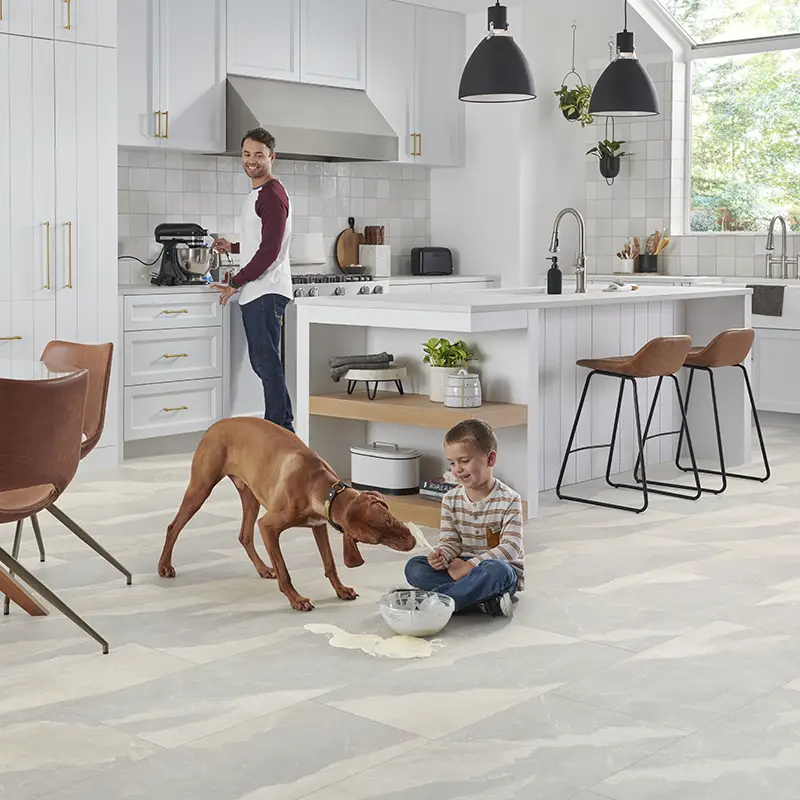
<point x="38" y="534"/>
<point x="15" y="556"/>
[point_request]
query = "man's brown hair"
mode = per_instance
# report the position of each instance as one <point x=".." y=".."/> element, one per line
<point x="260" y="135"/>
<point x="473" y="430"/>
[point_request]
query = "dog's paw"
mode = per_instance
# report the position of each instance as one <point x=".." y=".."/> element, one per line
<point x="301" y="604"/>
<point x="346" y="593"/>
<point x="266" y="572"/>
<point x="166" y="570"/>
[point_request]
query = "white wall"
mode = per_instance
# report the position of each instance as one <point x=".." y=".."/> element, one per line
<point x="524" y="162"/>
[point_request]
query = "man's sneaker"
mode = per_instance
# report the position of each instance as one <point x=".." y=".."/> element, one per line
<point x="500" y="606"/>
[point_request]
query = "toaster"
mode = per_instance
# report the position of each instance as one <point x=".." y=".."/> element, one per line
<point x="431" y="261"/>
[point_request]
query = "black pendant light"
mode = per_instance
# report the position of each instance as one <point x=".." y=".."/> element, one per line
<point x="625" y="89"/>
<point x="497" y="71"/>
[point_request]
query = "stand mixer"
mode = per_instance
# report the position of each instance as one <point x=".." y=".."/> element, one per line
<point x="186" y="257"/>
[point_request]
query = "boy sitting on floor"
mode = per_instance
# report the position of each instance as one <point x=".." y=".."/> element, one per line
<point x="480" y="557"/>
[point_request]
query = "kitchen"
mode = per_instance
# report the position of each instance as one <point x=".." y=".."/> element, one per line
<point x="416" y="215"/>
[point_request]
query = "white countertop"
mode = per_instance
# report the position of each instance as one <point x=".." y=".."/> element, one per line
<point x="654" y="278"/>
<point x="521" y="298"/>
<point x="439" y="278"/>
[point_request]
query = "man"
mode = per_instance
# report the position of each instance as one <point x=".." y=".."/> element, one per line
<point x="264" y="282"/>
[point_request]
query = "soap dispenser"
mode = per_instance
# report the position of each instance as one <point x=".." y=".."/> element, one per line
<point x="553" y="277"/>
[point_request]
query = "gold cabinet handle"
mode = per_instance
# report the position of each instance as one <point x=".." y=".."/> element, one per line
<point x="166" y="124"/>
<point x="10" y="338"/>
<point x="419" y="149"/>
<point x="175" y="355"/>
<point x="68" y="26"/>
<point x="69" y="254"/>
<point x="413" y="144"/>
<point x="176" y="408"/>
<point x="178" y="311"/>
<point x="47" y="246"/>
<point x="1" y="10"/>
<point x="158" y="125"/>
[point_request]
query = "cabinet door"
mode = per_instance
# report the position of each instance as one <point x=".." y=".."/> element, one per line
<point x="86" y="21"/>
<point x="390" y="68"/>
<point x="251" y="51"/>
<point x="27" y="17"/>
<point x="776" y="388"/>
<point x="138" y="53"/>
<point x="192" y="79"/>
<point x="439" y="114"/>
<point x="333" y="43"/>
<point x="32" y="169"/>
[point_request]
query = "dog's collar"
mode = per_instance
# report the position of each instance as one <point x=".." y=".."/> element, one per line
<point x="335" y="490"/>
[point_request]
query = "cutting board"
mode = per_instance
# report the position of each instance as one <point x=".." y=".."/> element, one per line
<point x="347" y="244"/>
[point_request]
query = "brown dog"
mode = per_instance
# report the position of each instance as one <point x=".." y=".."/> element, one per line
<point x="271" y="467"/>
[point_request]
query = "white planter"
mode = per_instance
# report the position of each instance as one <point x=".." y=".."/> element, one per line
<point x="437" y="382"/>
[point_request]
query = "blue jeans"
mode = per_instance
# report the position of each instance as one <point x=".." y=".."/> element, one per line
<point x="263" y="318"/>
<point x="490" y="578"/>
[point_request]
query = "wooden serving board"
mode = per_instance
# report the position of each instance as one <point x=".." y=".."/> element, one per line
<point x="347" y="245"/>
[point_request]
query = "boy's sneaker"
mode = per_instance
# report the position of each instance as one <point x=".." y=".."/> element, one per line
<point x="500" y="606"/>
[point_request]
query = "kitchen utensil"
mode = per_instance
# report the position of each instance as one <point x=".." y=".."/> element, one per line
<point x="354" y="269"/>
<point x="414" y="612"/>
<point x="662" y="245"/>
<point x="185" y="256"/>
<point x="463" y="390"/>
<point x="386" y="467"/>
<point x="347" y="243"/>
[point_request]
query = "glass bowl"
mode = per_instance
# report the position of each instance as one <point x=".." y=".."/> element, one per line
<point x="414" y="612"/>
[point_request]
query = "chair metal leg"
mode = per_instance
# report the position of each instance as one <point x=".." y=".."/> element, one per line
<point x="767" y="470"/>
<point x="15" y="556"/>
<point x="614" y="432"/>
<point x="38" y="534"/>
<point x="84" y="537"/>
<point x="650" y="414"/>
<point x="568" y="451"/>
<point x="51" y="597"/>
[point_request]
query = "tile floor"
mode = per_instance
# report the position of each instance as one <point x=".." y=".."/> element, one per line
<point x="655" y="656"/>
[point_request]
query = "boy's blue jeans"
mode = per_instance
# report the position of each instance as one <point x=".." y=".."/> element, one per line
<point x="490" y="578"/>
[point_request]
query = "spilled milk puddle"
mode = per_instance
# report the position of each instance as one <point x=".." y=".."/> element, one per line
<point x="374" y="645"/>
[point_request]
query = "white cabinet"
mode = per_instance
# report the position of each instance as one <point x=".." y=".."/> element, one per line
<point x="247" y="53"/>
<point x="312" y="41"/>
<point x="333" y="43"/>
<point x="171" y="87"/>
<point x="415" y="57"/>
<point x="775" y="387"/>
<point x="28" y="17"/>
<point x="86" y="21"/>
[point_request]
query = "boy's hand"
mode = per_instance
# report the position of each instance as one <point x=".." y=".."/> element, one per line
<point x="459" y="568"/>
<point x="437" y="560"/>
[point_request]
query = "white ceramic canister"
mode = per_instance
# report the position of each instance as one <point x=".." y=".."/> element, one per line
<point x="463" y="390"/>
<point x="386" y="467"/>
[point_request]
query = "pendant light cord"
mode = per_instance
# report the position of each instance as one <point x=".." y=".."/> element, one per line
<point x="574" y="28"/>
<point x="625" y="28"/>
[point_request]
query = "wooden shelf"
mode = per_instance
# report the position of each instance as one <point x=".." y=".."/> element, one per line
<point x="413" y="409"/>
<point x="413" y="508"/>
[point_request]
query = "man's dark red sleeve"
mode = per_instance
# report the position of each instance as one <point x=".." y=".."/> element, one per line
<point x="272" y="207"/>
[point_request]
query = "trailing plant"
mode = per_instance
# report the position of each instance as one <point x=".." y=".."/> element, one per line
<point x="574" y="103"/>
<point x="443" y="353"/>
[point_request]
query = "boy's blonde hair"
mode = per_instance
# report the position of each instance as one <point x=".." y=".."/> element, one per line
<point x="473" y="430"/>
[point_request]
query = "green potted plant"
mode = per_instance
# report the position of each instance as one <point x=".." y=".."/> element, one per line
<point x="574" y="103"/>
<point x="609" y="154"/>
<point x="444" y="358"/>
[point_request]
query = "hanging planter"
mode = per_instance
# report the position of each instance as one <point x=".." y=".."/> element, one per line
<point x="609" y="155"/>
<point x="574" y="102"/>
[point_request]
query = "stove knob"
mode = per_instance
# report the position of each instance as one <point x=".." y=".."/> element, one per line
<point x="313" y="291"/>
<point x="298" y="292"/>
<point x="339" y="290"/>
<point x="364" y="290"/>
<point x="378" y="290"/>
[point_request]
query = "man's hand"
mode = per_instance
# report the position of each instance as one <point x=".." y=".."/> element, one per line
<point x="222" y="246"/>
<point x="225" y="292"/>
<point x="459" y="568"/>
<point x="437" y="560"/>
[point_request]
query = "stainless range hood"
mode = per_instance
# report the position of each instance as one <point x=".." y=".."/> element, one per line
<point x="309" y="123"/>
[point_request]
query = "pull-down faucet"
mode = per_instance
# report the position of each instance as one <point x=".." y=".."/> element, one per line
<point x="770" y="248"/>
<point x="580" y="263"/>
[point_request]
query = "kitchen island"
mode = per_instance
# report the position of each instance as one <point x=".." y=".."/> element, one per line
<point x="528" y="344"/>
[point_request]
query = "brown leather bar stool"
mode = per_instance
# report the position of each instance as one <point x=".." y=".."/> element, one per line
<point x="659" y="358"/>
<point x="728" y="349"/>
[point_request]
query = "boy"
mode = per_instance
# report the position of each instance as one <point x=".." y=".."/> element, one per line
<point x="479" y="560"/>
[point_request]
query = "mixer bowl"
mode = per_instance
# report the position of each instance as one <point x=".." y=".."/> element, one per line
<point x="196" y="260"/>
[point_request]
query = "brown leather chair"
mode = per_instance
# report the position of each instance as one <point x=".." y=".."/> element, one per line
<point x="41" y="424"/>
<point x="96" y="358"/>
<point x="727" y="349"/>
<point x="660" y="358"/>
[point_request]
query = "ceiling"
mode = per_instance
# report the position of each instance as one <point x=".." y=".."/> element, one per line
<point x="464" y="6"/>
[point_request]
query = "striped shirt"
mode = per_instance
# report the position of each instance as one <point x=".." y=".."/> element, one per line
<point x="490" y="528"/>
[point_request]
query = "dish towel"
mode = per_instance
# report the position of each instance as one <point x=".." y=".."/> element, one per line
<point x="374" y="358"/>
<point x="767" y="300"/>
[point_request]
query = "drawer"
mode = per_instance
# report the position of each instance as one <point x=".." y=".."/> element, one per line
<point x="154" y="312"/>
<point x="166" y="409"/>
<point x="163" y="356"/>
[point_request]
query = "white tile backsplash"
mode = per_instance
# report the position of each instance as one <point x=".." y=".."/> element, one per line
<point x="166" y="186"/>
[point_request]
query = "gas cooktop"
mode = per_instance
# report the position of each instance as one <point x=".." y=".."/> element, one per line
<point x="330" y="278"/>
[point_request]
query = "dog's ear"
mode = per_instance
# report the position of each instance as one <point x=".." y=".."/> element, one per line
<point x="352" y="555"/>
<point x="377" y="496"/>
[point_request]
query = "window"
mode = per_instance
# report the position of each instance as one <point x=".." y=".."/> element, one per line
<point x="708" y="21"/>
<point x="745" y="141"/>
